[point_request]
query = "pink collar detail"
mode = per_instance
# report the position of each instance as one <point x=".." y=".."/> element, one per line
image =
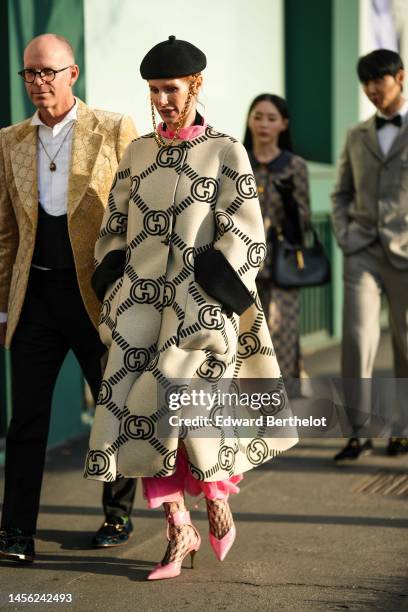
<point x="186" y="133"/>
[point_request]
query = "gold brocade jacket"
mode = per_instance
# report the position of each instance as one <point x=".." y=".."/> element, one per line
<point x="99" y="141"/>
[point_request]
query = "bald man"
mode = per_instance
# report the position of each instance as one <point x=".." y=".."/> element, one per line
<point x="56" y="170"/>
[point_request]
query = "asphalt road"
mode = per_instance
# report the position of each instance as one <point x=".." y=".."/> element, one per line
<point x="308" y="538"/>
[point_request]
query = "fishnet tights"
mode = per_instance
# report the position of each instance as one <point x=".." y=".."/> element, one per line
<point x="219" y="517"/>
<point x="181" y="537"/>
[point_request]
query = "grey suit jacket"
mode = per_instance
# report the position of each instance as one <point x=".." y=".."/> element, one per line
<point x="370" y="199"/>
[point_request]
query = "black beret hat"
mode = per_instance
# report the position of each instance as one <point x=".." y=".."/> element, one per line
<point x="172" y="59"/>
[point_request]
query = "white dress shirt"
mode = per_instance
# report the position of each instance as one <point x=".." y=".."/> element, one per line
<point x="388" y="133"/>
<point x="53" y="186"/>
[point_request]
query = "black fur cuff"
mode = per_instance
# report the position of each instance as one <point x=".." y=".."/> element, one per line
<point x="217" y="277"/>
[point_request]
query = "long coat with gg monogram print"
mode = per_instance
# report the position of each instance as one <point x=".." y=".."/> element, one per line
<point x="167" y="206"/>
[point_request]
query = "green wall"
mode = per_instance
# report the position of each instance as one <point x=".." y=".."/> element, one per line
<point x="345" y="83"/>
<point x="345" y="110"/>
<point x="322" y="48"/>
<point x="308" y="55"/>
<point x="20" y="21"/>
<point x="5" y="101"/>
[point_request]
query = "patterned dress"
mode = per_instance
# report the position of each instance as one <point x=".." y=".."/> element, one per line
<point x="281" y="306"/>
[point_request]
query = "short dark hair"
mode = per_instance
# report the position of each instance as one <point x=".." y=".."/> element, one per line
<point x="377" y="64"/>
<point x="285" y="139"/>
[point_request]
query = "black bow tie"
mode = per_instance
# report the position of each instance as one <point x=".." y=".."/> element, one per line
<point x="381" y="121"/>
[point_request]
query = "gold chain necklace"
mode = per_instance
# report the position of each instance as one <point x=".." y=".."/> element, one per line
<point x="53" y="165"/>
<point x="158" y="137"/>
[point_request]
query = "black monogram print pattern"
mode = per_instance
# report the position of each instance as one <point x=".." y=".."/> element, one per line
<point x="116" y="223"/>
<point x="169" y="157"/>
<point x="98" y="463"/>
<point x="210" y="317"/>
<point x="136" y="359"/>
<point x="204" y="189"/>
<point x="138" y="427"/>
<point x="156" y="308"/>
<point x="246" y="186"/>
<point x="156" y="222"/>
<point x="257" y="451"/>
<point x="145" y="290"/>
<point x="256" y="254"/>
<point x="224" y="222"/>
<point x="211" y="369"/>
<point x="226" y="457"/>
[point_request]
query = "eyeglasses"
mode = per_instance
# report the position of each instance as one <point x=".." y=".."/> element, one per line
<point x="46" y="74"/>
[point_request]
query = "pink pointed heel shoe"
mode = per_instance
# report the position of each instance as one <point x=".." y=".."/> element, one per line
<point x="220" y="517"/>
<point x="222" y="547"/>
<point x="173" y="569"/>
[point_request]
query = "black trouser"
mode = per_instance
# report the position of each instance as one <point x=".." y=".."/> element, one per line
<point x="52" y="322"/>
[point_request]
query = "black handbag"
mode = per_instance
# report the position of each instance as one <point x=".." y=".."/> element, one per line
<point x="302" y="265"/>
<point x="298" y="256"/>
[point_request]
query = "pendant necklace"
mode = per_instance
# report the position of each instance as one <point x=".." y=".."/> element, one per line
<point x="53" y="165"/>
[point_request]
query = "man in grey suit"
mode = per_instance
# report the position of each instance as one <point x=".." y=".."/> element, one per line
<point x="370" y="220"/>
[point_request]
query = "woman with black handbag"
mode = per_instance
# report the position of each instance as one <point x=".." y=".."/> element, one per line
<point x="283" y="190"/>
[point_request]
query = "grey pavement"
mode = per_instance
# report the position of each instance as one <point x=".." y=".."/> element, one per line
<point x="309" y="537"/>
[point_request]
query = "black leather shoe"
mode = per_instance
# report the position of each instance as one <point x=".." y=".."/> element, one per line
<point x="353" y="450"/>
<point x="16" y="547"/>
<point x="397" y="446"/>
<point x="114" y="532"/>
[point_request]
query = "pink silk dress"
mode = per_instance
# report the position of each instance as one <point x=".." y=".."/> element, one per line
<point x="156" y="491"/>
